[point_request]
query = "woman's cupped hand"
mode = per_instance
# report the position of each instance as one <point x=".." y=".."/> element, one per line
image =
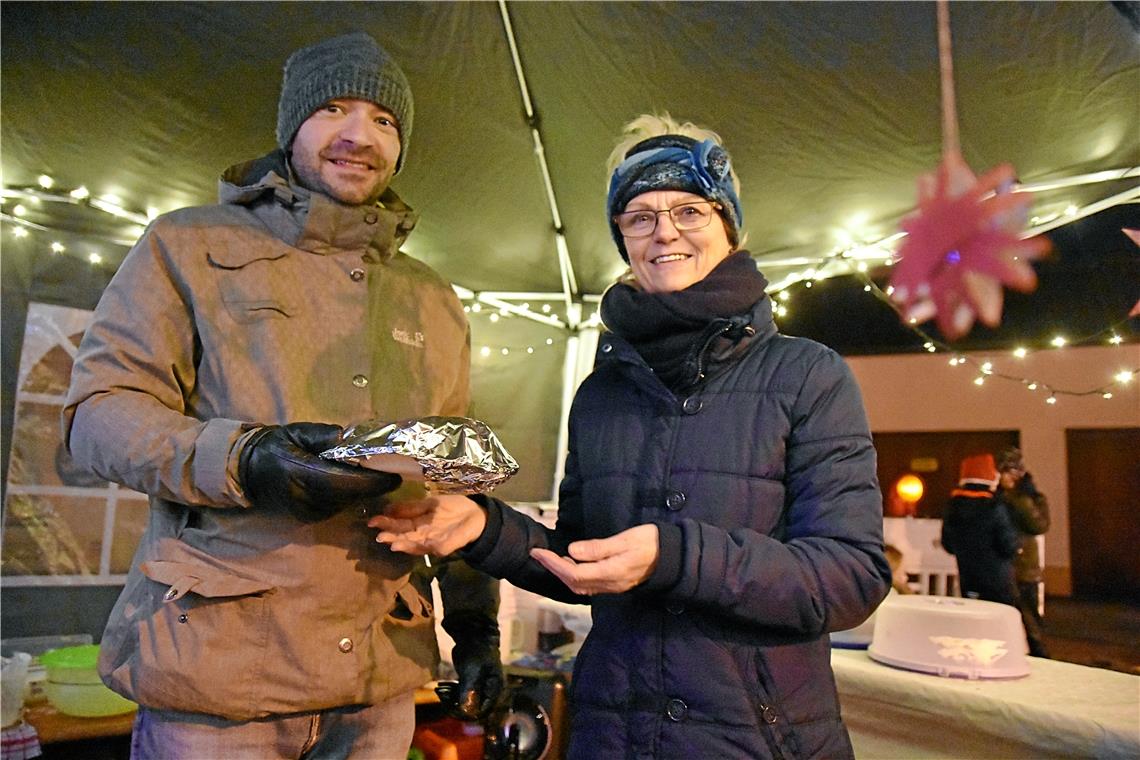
<point x="605" y="565"/>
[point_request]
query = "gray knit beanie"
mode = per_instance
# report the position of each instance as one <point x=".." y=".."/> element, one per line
<point x="349" y="66"/>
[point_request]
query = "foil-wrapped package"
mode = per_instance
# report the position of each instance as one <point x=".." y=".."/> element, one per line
<point x="450" y="454"/>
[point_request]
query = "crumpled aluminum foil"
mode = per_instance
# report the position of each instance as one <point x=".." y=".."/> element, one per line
<point x="458" y="454"/>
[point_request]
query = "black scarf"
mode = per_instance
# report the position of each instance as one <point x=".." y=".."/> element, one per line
<point x="671" y="330"/>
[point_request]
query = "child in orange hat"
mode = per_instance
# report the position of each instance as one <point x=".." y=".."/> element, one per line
<point x="979" y="534"/>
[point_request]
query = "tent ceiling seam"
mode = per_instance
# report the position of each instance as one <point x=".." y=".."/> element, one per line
<point x="565" y="266"/>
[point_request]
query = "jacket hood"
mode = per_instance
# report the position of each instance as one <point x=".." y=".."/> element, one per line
<point x="266" y="185"/>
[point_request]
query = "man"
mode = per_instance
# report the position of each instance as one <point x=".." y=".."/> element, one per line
<point x="259" y="618"/>
<point x="1029" y="511"/>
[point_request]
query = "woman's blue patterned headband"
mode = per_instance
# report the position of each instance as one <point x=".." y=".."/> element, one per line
<point x="674" y="162"/>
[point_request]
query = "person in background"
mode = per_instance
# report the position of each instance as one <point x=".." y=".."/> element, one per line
<point x="259" y="619"/>
<point x="720" y="510"/>
<point x="1029" y="511"/>
<point x="899" y="580"/>
<point x="979" y="533"/>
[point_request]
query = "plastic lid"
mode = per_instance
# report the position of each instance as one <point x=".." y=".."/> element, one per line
<point x="81" y="657"/>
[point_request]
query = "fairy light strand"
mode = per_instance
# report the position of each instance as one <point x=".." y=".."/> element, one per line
<point x="851" y="259"/>
<point x="985" y="368"/>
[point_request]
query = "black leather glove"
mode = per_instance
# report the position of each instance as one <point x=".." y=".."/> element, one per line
<point x="279" y="469"/>
<point x="476" y="660"/>
<point x="1027" y="485"/>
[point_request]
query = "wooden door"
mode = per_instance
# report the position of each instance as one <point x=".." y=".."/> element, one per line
<point x="1104" y="513"/>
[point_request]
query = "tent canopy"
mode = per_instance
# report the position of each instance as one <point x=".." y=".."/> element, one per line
<point x="830" y="111"/>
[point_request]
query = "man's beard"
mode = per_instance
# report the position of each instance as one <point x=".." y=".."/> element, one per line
<point x="308" y="173"/>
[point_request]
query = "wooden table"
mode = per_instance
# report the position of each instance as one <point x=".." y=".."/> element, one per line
<point x="53" y="726"/>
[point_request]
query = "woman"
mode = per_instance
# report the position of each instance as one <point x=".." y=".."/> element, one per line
<point x="720" y="511"/>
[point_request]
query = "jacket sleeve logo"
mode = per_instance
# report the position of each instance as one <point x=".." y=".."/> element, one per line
<point x="413" y="339"/>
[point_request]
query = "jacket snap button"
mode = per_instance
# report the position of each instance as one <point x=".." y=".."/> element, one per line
<point x="344" y="645"/>
<point x="607" y="347"/>
<point x="674" y="501"/>
<point x="692" y="405"/>
<point x="768" y="714"/>
<point x="676" y="710"/>
<point x="675" y="608"/>
<point x="360" y="381"/>
<point x="356" y="274"/>
<point x="183" y="618"/>
<point x="371" y="217"/>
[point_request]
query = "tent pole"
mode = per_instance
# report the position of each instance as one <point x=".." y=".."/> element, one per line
<point x="565" y="265"/>
<point x="578" y="362"/>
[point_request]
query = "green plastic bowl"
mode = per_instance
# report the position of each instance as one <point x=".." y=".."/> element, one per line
<point x="73" y="685"/>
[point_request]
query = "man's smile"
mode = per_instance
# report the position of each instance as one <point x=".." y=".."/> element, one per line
<point x="351" y="164"/>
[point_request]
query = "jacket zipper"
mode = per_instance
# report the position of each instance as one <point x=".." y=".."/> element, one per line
<point x="718" y="328"/>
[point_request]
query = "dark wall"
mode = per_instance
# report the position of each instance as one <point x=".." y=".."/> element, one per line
<point x="56" y="610"/>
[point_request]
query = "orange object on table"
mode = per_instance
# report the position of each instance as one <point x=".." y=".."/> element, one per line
<point x="448" y="739"/>
<point x="54" y="726"/>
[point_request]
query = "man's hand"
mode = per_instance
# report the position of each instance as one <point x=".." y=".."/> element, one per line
<point x="477" y="662"/>
<point x="605" y="565"/>
<point x="279" y="469"/>
<point x="1010" y="479"/>
<point x="439" y="525"/>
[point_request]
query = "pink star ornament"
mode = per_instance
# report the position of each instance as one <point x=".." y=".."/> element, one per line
<point x="962" y="246"/>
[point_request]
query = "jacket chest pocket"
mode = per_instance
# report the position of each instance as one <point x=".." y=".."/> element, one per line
<point x="254" y="286"/>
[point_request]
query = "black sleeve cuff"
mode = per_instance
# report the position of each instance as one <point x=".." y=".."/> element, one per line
<point x="670" y="559"/>
<point x="477" y="550"/>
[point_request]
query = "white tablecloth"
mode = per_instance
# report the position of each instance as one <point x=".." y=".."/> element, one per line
<point x="1059" y="710"/>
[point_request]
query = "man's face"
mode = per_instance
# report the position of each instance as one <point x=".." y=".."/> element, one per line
<point x="347" y="150"/>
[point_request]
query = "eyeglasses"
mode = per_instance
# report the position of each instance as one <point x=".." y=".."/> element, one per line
<point x="691" y="215"/>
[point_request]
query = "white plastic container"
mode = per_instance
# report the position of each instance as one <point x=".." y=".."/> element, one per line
<point x="950" y="636"/>
<point x="858" y="637"/>
<point x="13" y="674"/>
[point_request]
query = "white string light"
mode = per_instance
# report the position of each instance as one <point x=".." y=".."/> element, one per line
<point x="853" y="257"/>
<point x="499" y="305"/>
<point x="43" y="192"/>
<point x="986" y="368"/>
<point x="491" y="351"/>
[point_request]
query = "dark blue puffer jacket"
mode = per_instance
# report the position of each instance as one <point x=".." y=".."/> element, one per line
<point x="762" y="483"/>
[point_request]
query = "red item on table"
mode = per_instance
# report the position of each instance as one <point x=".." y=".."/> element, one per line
<point x="20" y="742"/>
